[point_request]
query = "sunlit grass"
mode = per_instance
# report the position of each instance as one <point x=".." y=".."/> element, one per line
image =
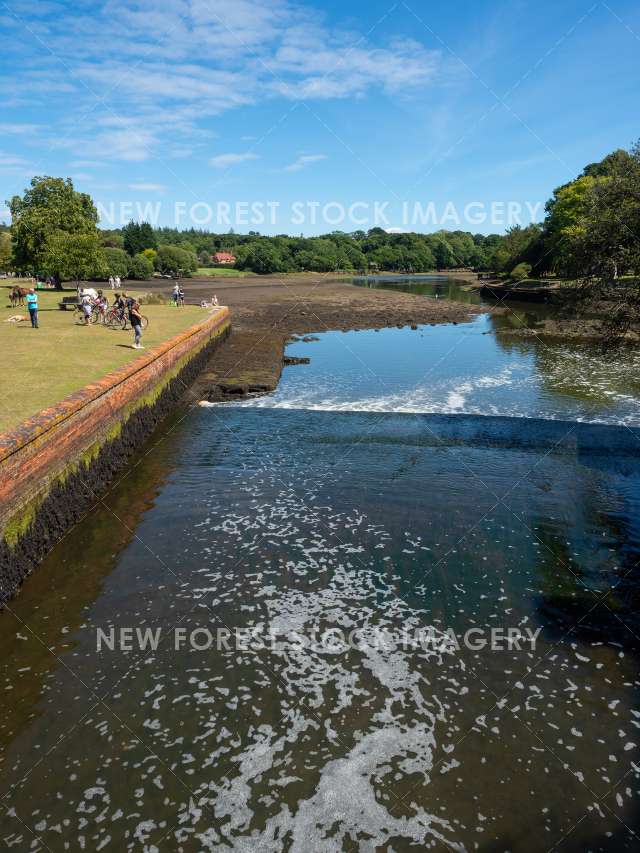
<point x="41" y="366"/>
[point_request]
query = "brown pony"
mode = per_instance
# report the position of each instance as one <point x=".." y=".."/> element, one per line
<point x="17" y="295"/>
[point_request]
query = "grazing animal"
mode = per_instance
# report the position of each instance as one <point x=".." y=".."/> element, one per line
<point x="16" y="296"/>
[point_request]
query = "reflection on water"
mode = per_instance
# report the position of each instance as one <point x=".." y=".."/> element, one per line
<point x="297" y="523"/>
<point x="470" y="368"/>
<point x="431" y="286"/>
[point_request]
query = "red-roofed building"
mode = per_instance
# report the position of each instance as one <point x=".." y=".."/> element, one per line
<point x="225" y="258"/>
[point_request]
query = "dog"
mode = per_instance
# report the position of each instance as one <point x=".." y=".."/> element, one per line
<point x="17" y="318"/>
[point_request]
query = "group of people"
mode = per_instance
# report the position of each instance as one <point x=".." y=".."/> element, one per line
<point x="114" y="283"/>
<point x="90" y="299"/>
<point x="177" y="297"/>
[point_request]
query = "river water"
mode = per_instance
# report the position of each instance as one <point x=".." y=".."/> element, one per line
<point x="330" y="574"/>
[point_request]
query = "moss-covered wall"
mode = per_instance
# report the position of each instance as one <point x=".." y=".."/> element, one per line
<point x="54" y="467"/>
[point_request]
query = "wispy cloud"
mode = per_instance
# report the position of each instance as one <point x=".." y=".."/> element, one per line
<point x="179" y="64"/>
<point x="303" y="161"/>
<point x="86" y="164"/>
<point x="17" y="128"/>
<point x="223" y="161"/>
<point x="150" y="188"/>
<point x="11" y="163"/>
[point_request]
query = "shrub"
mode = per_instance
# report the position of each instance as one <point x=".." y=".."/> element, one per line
<point x="140" y="267"/>
<point x="116" y="262"/>
<point x="520" y="272"/>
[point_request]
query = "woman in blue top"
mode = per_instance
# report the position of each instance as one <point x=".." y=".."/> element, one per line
<point x="32" y="305"/>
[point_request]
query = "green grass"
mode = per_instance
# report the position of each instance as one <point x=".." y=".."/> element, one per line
<point x="224" y="272"/>
<point x="41" y="366"/>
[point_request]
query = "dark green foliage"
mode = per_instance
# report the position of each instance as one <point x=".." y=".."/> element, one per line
<point x="138" y="236"/>
<point x="175" y="260"/>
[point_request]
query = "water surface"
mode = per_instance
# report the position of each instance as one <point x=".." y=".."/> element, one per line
<point x="439" y="481"/>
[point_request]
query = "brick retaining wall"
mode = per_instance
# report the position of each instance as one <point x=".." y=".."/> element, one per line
<point x="54" y="466"/>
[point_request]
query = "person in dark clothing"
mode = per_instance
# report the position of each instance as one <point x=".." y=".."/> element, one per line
<point x="135" y="318"/>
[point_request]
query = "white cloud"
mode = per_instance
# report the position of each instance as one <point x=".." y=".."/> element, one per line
<point x="86" y="164"/>
<point x="179" y="63"/>
<point x="10" y="163"/>
<point x="151" y="188"/>
<point x="223" y="161"/>
<point x="8" y="127"/>
<point x="303" y="161"/>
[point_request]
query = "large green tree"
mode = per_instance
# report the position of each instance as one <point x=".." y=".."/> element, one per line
<point x="73" y="256"/>
<point x="49" y="208"/>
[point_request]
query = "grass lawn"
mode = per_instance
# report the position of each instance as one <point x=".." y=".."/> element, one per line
<point x="222" y="272"/>
<point x="41" y="366"/>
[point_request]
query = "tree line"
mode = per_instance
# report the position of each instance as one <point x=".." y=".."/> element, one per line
<point x="590" y="232"/>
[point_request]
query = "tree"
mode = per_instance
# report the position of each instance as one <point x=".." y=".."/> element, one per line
<point x="147" y="237"/>
<point x="151" y="255"/>
<point x="116" y="262"/>
<point x="140" y="267"/>
<point x="174" y="260"/>
<point x="73" y="256"/>
<point x="50" y="207"/>
<point x="5" y="251"/>
<point x="519" y="245"/>
<point x="138" y="236"/>
<point x="592" y="229"/>
<point x="260" y="257"/>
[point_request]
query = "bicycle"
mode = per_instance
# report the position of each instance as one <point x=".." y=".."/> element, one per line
<point x="116" y="318"/>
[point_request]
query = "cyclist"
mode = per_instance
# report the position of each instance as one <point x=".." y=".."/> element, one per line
<point x="119" y="304"/>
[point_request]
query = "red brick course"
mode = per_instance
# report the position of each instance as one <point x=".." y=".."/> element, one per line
<point x="42" y="447"/>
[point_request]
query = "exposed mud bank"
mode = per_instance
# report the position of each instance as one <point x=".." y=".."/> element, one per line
<point x="45" y="518"/>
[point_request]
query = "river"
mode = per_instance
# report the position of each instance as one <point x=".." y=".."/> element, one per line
<point x="332" y="574"/>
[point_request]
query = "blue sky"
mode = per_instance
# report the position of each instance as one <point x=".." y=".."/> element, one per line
<point x="193" y="107"/>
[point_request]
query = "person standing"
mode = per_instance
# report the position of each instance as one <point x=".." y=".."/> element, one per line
<point x="87" y="306"/>
<point x="32" y="305"/>
<point x="112" y="283"/>
<point x="117" y="283"/>
<point x="135" y="318"/>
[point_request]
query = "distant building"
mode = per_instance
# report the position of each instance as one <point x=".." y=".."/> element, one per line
<point x="224" y="258"/>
